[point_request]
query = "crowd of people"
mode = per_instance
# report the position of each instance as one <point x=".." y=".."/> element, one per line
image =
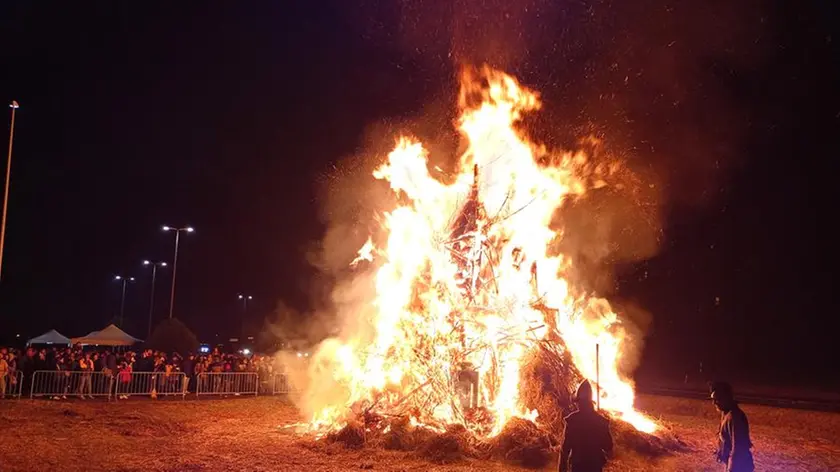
<point x="77" y="365"/>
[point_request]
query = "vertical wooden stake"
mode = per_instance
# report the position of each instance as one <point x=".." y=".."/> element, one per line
<point x="598" y="375"/>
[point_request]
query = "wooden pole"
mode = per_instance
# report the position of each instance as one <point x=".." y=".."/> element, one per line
<point x="598" y="375"/>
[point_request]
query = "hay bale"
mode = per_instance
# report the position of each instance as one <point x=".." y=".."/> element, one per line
<point x="351" y="436"/>
<point x="448" y="447"/>
<point x="402" y="436"/>
<point x="523" y="443"/>
<point x="547" y="384"/>
<point x="625" y="436"/>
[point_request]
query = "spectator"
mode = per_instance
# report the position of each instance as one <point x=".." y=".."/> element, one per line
<point x="125" y="378"/>
<point x="4" y="372"/>
<point x="86" y="369"/>
<point x="84" y="374"/>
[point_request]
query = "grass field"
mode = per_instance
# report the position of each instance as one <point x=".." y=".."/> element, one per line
<point x="245" y="434"/>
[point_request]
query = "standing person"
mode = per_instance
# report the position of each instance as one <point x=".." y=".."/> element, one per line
<point x="188" y="368"/>
<point x="125" y="379"/>
<point x="26" y="365"/>
<point x="734" y="442"/>
<point x="111" y="361"/>
<point x="86" y="372"/>
<point x="587" y="442"/>
<point x="62" y="378"/>
<point x="4" y="372"/>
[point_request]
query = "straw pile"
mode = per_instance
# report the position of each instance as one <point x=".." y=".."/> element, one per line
<point x="547" y="385"/>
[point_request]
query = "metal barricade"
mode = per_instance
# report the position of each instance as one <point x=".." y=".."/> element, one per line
<point x="11" y="385"/>
<point x="227" y="383"/>
<point x="280" y="385"/>
<point x="151" y="384"/>
<point x="61" y="384"/>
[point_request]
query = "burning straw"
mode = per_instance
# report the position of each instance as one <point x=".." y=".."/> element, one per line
<point x="547" y="381"/>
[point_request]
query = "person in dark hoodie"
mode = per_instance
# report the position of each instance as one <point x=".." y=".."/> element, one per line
<point x="734" y="442"/>
<point x="587" y="442"/>
<point x="188" y="368"/>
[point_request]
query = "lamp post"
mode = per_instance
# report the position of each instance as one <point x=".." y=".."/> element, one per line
<point x="188" y="229"/>
<point x="245" y="298"/>
<point x="124" y="280"/>
<point x="14" y="106"/>
<point x="154" y="265"/>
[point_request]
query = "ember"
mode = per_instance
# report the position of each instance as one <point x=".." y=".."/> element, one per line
<point x="477" y="328"/>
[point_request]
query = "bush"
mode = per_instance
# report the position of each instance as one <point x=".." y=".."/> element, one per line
<point x="171" y="335"/>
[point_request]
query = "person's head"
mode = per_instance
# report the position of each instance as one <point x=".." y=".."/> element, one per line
<point x="583" y="396"/>
<point x="722" y="396"/>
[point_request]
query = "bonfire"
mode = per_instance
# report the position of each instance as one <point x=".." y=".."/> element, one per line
<point x="479" y="334"/>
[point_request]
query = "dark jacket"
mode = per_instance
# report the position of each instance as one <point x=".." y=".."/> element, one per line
<point x="111" y="362"/>
<point x="587" y="442"/>
<point x="734" y="441"/>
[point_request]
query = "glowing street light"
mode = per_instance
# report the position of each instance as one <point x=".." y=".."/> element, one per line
<point x="245" y="298"/>
<point x="154" y="265"/>
<point x="188" y="229"/>
<point x="124" y="281"/>
<point x="14" y="106"/>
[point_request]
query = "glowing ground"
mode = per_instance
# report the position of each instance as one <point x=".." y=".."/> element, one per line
<point x="243" y="434"/>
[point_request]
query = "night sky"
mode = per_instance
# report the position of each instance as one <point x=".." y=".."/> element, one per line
<point x="230" y="117"/>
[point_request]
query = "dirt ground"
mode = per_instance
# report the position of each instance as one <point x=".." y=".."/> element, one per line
<point x="246" y="434"/>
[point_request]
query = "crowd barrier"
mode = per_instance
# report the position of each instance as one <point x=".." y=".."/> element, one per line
<point x="280" y="385"/>
<point x="66" y="383"/>
<point x="227" y="383"/>
<point x="150" y="384"/>
<point x="11" y="385"/>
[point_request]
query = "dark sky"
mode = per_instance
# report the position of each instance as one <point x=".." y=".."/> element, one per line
<point x="223" y="116"/>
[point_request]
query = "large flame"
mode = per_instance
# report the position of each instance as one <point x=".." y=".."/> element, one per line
<point x="465" y="278"/>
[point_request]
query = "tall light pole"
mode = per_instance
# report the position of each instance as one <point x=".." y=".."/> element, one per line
<point x="244" y="299"/>
<point x="188" y="229"/>
<point x="154" y="265"/>
<point x="124" y="280"/>
<point x="14" y="106"/>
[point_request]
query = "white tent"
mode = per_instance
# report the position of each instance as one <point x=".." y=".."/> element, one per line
<point x="50" y="337"/>
<point x="110" y="336"/>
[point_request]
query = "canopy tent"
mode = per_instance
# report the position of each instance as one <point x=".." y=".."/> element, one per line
<point x="50" y="337"/>
<point x="110" y="336"/>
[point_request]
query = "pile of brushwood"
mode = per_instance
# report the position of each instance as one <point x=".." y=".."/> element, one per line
<point x="547" y="385"/>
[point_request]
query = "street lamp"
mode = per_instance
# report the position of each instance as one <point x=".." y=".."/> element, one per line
<point x="124" y="281"/>
<point x="188" y="229"/>
<point x="14" y="106"/>
<point x="245" y="299"/>
<point x="154" y="265"/>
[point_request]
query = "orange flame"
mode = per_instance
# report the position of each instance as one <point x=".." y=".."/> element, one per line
<point x="465" y="278"/>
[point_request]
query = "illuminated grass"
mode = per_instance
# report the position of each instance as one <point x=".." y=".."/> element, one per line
<point x="243" y="434"/>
